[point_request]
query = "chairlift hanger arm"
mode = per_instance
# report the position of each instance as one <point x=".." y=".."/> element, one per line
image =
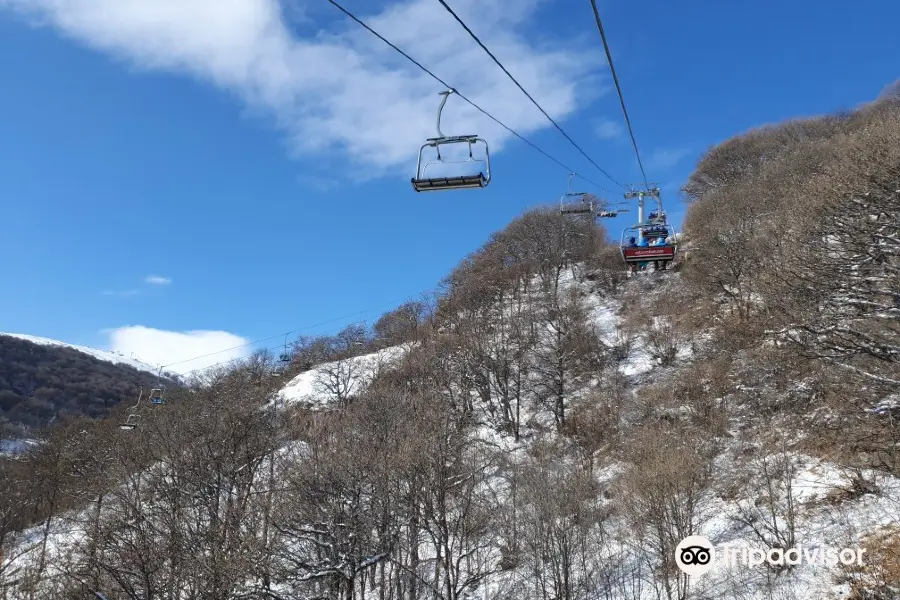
<point x="138" y="403"/>
<point x="445" y="94"/>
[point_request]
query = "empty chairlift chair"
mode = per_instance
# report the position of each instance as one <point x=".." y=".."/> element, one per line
<point x="130" y="422"/>
<point x="423" y="183"/>
<point x="157" y="394"/>
<point x="585" y="206"/>
<point x="611" y="212"/>
<point x="134" y="418"/>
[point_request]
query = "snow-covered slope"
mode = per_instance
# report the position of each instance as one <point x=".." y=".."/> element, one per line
<point x="823" y="506"/>
<point x="329" y="382"/>
<point x="104" y="355"/>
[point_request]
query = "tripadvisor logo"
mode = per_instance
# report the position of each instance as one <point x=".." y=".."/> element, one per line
<point x="695" y="555"/>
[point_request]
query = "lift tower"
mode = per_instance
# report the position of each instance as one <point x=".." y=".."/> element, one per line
<point x="640" y="195"/>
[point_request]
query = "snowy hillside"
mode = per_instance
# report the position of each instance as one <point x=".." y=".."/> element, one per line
<point x="112" y="357"/>
<point x="819" y="502"/>
<point x="335" y="381"/>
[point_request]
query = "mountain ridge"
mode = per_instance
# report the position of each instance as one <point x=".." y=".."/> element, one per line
<point x="42" y="380"/>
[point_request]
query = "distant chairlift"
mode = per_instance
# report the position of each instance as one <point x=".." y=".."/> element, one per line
<point x="588" y="204"/>
<point x="640" y="244"/>
<point x="422" y="183"/>
<point x="651" y="240"/>
<point x="134" y="418"/>
<point x="617" y="209"/>
<point x="284" y="360"/>
<point x="157" y="394"/>
<point x="585" y="205"/>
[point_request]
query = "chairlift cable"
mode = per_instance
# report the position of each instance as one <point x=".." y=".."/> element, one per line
<point x="240" y="358"/>
<point x="265" y="339"/>
<point x="612" y="70"/>
<point x="458" y="93"/>
<point x="470" y="102"/>
<point x="280" y="335"/>
<point x="524" y="91"/>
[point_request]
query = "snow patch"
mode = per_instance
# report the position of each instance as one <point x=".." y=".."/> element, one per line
<point x="321" y="385"/>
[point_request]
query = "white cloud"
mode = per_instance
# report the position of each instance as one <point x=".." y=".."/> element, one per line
<point x="160" y="347"/>
<point x="158" y="280"/>
<point x="607" y="129"/>
<point x="344" y="90"/>
<point x="666" y="158"/>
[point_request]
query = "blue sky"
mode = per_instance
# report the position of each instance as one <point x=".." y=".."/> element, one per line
<point x="255" y="158"/>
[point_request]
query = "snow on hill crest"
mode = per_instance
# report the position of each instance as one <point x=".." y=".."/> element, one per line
<point x="104" y="355"/>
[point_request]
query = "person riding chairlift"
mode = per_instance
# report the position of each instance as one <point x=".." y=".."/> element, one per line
<point x="632" y="242"/>
<point x="643" y="242"/>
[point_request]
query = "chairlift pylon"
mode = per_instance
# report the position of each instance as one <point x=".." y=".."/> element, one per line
<point x="421" y="183"/>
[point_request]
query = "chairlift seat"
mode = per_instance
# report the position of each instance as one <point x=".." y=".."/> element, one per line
<point x="130" y="422"/>
<point x="449" y="183"/>
<point x="576" y="209"/>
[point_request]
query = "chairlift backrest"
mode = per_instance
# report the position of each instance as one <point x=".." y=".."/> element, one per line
<point x="581" y="208"/>
<point x="423" y="183"/>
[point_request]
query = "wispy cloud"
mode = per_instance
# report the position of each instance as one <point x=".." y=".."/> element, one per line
<point x="608" y="129"/>
<point x="161" y="347"/>
<point x="121" y="293"/>
<point x="318" y="183"/>
<point x="342" y="90"/>
<point x="157" y="280"/>
<point x="666" y="158"/>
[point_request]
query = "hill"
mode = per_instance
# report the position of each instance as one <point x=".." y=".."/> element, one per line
<point x="544" y="427"/>
<point x="42" y="380"/>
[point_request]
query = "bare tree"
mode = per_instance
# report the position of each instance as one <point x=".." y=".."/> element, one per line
<point x="567" y="353"/>
<point x="667" y="480"/>
<point x="771" y="512"/>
